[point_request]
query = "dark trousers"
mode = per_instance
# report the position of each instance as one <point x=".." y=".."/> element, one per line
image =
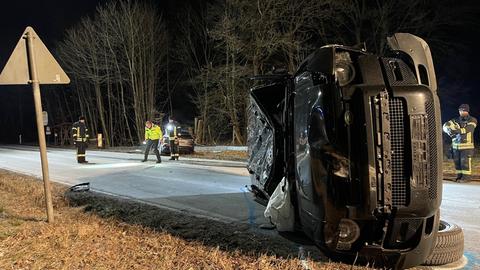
<point x="152" y="144"/>
<point x="81" y="150"/>
<point x="174" y="149"/>
<point x="463" y="161"/>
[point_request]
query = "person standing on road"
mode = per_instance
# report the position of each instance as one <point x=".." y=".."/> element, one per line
<point x="80" y="139"/>
<point x="173" y="139"/>
<point x="461" y="130"/>
<point x="153" y="133"/>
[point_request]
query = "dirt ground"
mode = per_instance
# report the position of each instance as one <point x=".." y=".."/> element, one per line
<point x="222" y="155"/>
<point x="93" y="231"/>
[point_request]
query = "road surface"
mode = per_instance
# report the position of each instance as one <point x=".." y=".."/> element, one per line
<point x="215" y="189"/>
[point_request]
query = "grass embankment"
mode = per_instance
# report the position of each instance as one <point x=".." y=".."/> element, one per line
<point x="222" y="155"/>
<point x="84" y="240"/>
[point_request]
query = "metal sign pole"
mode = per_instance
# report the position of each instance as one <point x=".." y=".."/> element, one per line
<point x="39" y="115"/>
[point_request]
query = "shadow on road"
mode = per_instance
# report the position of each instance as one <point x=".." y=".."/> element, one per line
<point x="226" y="236"/>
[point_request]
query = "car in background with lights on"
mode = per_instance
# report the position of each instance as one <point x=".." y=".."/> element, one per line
<point x="185" y="140"/>
<point x="358" y="138"/>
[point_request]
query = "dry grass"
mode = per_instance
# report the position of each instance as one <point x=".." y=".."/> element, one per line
<point x="222" y="155"/>
<point x="78" y="240"/>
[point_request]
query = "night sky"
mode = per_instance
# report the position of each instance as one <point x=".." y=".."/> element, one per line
<point x="50" y="19"/>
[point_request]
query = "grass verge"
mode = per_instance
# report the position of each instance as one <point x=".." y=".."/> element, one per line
<point x="109" y="234"/>
<point x="222" y="155"/>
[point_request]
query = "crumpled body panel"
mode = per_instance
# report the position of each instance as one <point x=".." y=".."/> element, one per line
<point x="260" y="144"/>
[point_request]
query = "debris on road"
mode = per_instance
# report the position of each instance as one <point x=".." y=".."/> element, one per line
<point x="80" y="187"/>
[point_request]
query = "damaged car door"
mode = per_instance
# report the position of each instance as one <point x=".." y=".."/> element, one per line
<point x="266" y="134"/>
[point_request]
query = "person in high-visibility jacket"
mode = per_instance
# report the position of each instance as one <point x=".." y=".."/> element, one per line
<point x="153" y="134"/>
<point x="80" y="139"/>
<point x="461" y="130"/>
<point x="173" y="139"/>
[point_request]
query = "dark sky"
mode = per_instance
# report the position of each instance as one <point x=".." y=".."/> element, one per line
<point x="49" y="18"/>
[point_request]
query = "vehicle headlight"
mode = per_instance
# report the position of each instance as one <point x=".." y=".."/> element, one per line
<point x="344" y="72"/>
<point x="348" y="233"/>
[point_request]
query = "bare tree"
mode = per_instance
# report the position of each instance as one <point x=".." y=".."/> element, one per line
<point x="116" y="57"/>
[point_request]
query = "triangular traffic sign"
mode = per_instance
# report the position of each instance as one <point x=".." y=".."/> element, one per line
<point x="16" y="71"/>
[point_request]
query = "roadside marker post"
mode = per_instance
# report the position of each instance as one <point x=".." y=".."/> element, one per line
<point x="32" y="63"/>
<point x="99" y="140"/>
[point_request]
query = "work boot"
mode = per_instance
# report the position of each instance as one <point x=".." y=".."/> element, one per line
<point x="172" y="158"/>
<point x="159" y="161"/>
<point x="459" y="177"/>
<point x="464" y="179"/>
<point x="143" y="160"/>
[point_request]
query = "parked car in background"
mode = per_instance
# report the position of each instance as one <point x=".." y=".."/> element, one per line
<point x="186" y="143"/>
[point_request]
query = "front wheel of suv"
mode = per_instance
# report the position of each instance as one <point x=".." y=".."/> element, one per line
<point x="448" y="245"/>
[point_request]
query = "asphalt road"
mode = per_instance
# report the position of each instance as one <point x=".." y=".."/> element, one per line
<point x="215" y="189"/>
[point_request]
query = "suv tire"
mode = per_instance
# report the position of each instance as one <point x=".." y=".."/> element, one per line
<point x="448" y="245"/>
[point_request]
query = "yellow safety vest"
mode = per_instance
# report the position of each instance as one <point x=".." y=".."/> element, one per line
<point x="153" y="133"/>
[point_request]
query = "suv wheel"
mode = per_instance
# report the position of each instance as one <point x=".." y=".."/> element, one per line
<point x="448" y="245"/>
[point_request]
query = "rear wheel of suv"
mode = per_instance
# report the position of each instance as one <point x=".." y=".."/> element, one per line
<point x="448" y="245"/>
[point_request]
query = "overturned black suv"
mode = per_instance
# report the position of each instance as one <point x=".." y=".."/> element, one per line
<point x="358" y="137"/>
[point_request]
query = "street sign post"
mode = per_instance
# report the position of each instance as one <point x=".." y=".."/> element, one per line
<point x="32" y="63"/>
<point x="45" y="118"/>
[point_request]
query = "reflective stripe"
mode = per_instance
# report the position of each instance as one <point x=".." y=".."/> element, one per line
<point x="467" y="172"/>
<point x="469" y="137"/>
<point x="80" y="155"/>
<point x="470" y="165"/>
<point x="172" y="134"/>
<point x="462" y="146"/>
<point x="472" y="123"/>
<point x="463" y="130"/>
